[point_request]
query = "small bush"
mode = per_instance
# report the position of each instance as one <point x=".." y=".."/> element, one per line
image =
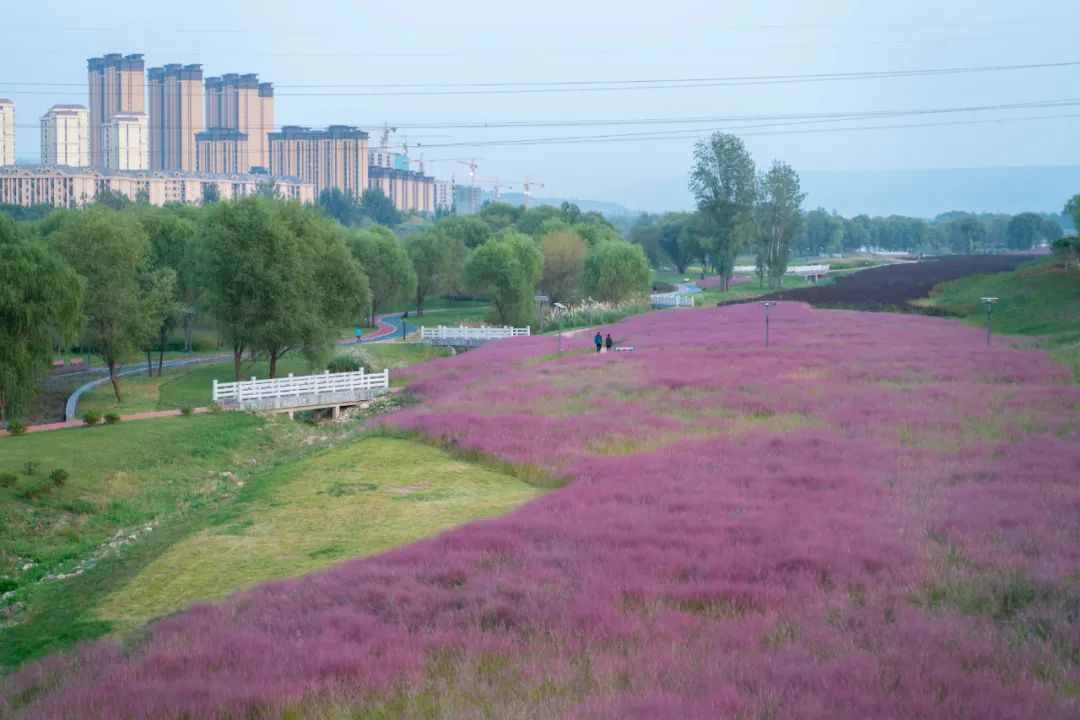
<point x="345" y="363"/>
<point x="187" y="411"/>
<point x="7" y="585"/>
<point x="215" y="408"/>
<point x="91" y="418"/>
<point x="16" y="428"/>
<point x="59" y="476"/>
<point x="31" y="467"/>
<point x="34" y="489"/>
<point x="111" y="418"/>
<point x="8" y="479"/>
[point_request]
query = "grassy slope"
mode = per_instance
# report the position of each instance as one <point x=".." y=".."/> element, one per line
<point x="190" y="387"/>
<point x="1038" y="299"/>
<point x="352" y="500"/>
<point x="220" y="521"/>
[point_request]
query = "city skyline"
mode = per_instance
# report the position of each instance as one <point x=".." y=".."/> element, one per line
<point x="323" y="76"/>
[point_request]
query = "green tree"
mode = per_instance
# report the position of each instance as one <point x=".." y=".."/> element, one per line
<point x="965" y="235"/>
<point x="379" y="208"/>
<point x="507" y="270"/>
<point x="436" y="261"/>
<point x="564" y="262"/>
<point x="1025" y="231"/>
<point x="210" y="194"/>
<point x="278" y="277"/>
<point x="533" y="218"/>
<point x="341" y="206"/>
<point x="40" y="301"/>
<point x="671" y="229"/>
<point x="616" y="271"/>
<point x="500" y="216"/>
<point x="469" y="229"/>
<point x="824" y="232"/>
<point x="646" y="232"/>
<point x="163" y="306"/>
<point x="111" y="251"/>
<point x="111" y="199"/>
<point x="387" y="265"/>
<point x="779" y="217"/>
<point x="723" y="183"/>
<point x="594" y="234"/>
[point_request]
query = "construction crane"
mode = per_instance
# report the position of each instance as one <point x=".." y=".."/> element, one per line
<point x="496" y="186"/>
<point x="384" y="139"/>
<point x="419" y="162"/>
<point x="527" y="187"/>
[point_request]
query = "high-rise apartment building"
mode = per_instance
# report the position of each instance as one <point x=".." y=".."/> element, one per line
<point x="65" y="136"/>
<point x="7" y="132"/>
<point x="242" y="103"/>
<point x="117" y="85"/>
<point x="175" y="116"/>
<point x="222" y="152"/>
<point x="333" y="158"/>
<point x="444" y="194"/>
<point x="125" y="145"/>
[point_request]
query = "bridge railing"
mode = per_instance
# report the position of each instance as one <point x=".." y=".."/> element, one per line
<point x="470" y="334"/>
<point x="254" y="389"/>
<point x="801" y="270"/>
<point x="671" y="300"/>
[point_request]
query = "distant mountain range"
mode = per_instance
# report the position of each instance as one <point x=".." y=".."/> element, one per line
<point x="919" y="193"/>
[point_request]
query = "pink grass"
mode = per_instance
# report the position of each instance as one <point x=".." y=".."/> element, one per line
<point x="875" y="517"/>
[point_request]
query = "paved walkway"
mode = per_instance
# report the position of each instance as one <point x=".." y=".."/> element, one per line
<point x="45" y="427"/>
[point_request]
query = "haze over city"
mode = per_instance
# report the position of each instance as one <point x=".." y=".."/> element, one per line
<point x="442" y="66"/>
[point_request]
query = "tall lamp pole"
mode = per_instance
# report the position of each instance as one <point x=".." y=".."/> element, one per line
<point x="541" y="300"/>
<point x="559" y="308"/>
<point x="767" y="304"/>
<point x="989" y="303"/>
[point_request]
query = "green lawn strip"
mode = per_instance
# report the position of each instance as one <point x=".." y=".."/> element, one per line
<point x="120" y="478"/>
<point x="451" y="318"/>
<point x="356" y="499"/>
<point x="1039" y="299"/>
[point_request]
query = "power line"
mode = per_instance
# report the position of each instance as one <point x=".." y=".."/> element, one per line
<point x="758" y="118"/>
<point x="625" y="84"/>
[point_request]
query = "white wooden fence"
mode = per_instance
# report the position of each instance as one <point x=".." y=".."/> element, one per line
<point x="304" y="386"/>
<point x="671" y="300"/>
<point x="801" y="270"/>
<point x="443" y="335"/>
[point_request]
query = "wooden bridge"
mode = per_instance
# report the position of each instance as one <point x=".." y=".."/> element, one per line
<point x="811" y="272"/>
<point x="469" y="336"/>
<point x="304" y="392"/>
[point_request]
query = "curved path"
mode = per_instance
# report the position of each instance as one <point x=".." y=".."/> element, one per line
<point x="389" y="328"/>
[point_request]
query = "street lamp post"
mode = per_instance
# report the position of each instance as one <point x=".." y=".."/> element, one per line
<point x="989" y="303"/>
<point x="559" y="307"/>
<point x="541" y="300"/>
<point x="767" y="304"/>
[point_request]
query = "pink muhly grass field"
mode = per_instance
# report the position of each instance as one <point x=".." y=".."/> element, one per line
<point x="877" y="517"/>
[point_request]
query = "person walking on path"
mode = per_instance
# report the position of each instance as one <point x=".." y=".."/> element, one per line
<point x="608" y="342"/>
<point x="599" y="340"/>
<point x="359" y="334"/>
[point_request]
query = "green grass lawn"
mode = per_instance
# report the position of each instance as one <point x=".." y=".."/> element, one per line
<point x="160" y="513"/>
<point x="453" y="317"/>
<point x="191" y="387"/>
<point x="352" y="500"/>
<point x="1038" y="299"/>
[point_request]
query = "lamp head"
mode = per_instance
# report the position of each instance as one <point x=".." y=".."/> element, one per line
<point x="559" y="306"/>
<point x="988" y="300"/>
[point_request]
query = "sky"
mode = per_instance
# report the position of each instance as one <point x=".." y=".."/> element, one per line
<point x="337" y="62"/>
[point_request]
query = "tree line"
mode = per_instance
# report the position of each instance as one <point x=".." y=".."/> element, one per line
<point x="275" y="277"/>
<point x="741" y="210"/>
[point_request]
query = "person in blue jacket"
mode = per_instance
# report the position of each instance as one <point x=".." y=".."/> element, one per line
<point x="599" y="340"/>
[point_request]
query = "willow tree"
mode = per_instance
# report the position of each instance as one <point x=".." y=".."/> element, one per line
<point x="40" y="301"/>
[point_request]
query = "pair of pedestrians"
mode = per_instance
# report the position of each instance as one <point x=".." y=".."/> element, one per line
<point x="601" y="342"/>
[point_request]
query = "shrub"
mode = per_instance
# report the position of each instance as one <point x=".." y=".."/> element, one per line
<point x="111" y="418"/>
<point x="59" y="476"/>
<point x="31" y="467"/>
<point x="7" y="585"/>
<point x="34" y="489"/>
<point x="187" y="411"/>
<point x="16" y="428"/>
<point x="215" y="407"/>
<point x="345" y="363"/>
<point x="8" y="479"/>
<point x="91" y="418"/>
